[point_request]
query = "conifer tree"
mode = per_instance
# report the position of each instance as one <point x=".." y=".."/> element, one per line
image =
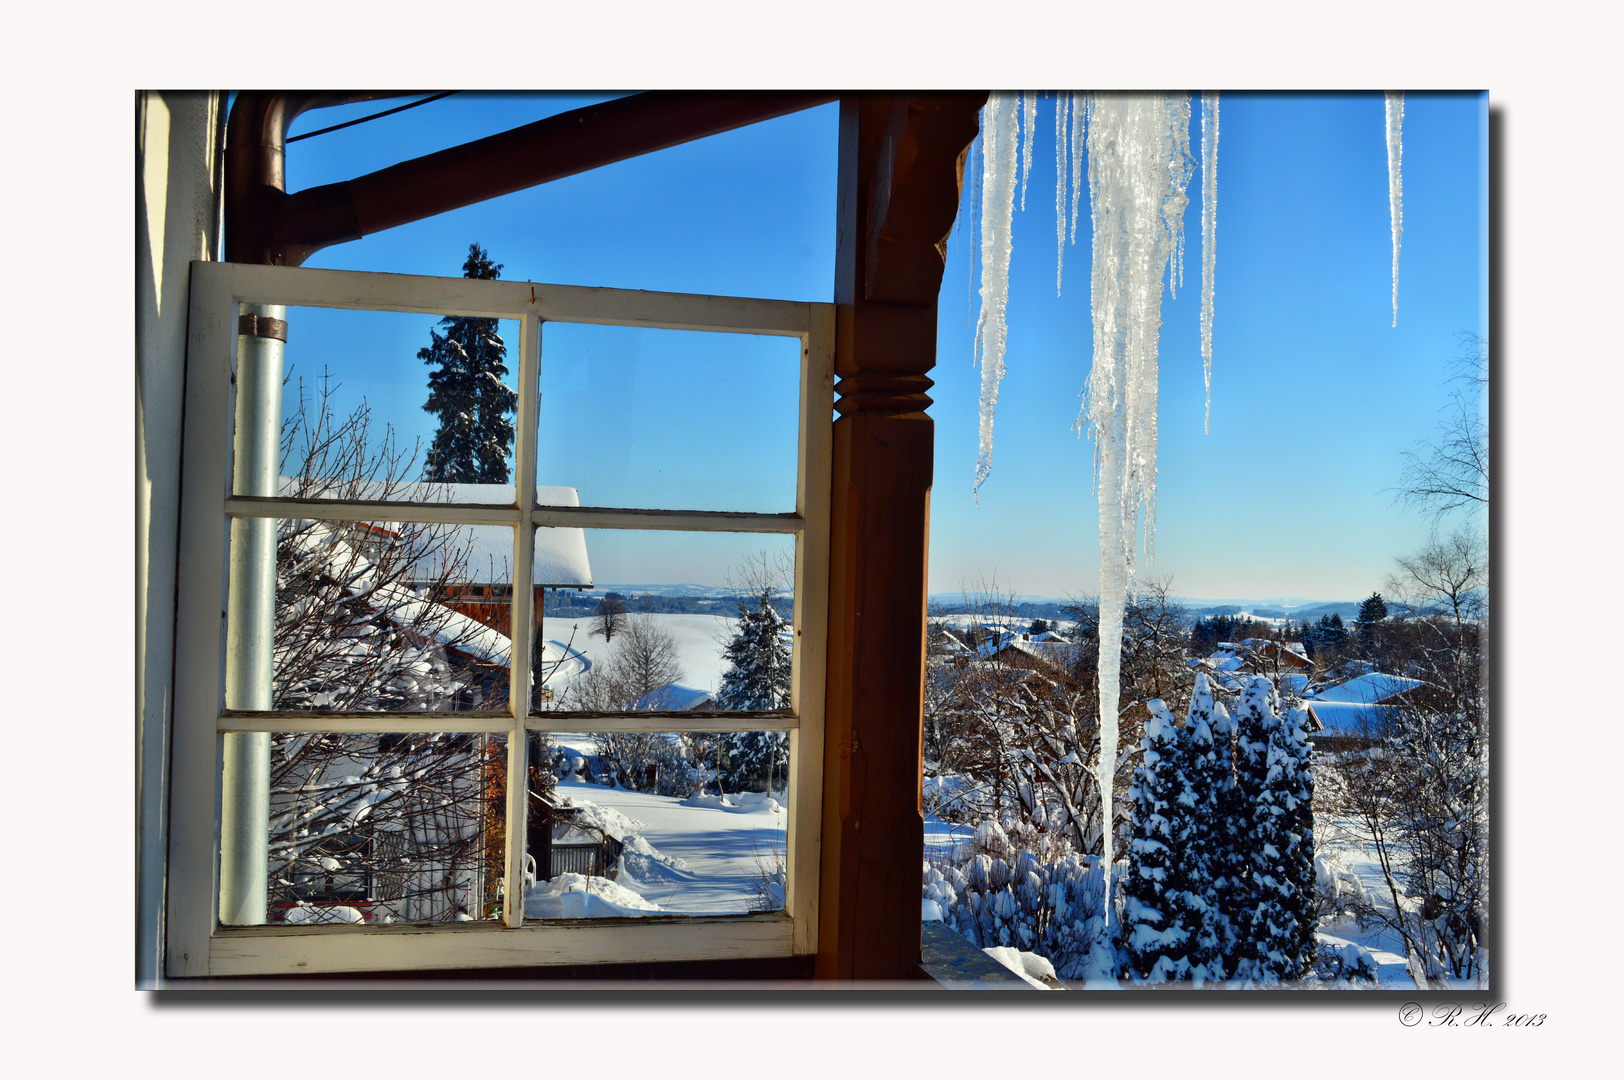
<point x="758" y="657"/>
<point x="468" y="394"/>
<point x="1298" y="780"/>
<point x="1263" y="758"/>
<point x="1154" y="936"/>
<point x="1230" y="859"/>
<point x="757" y="677"/>
<point x="1205" y="841"/>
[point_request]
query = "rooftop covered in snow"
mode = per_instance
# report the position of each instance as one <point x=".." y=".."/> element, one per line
<point x="486" y="550"/>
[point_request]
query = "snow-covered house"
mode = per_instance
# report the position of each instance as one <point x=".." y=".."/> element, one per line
<point x="674" y="697"/>
<point x="1360" y="708"/>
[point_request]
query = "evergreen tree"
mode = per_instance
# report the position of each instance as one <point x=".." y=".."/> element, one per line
<point x="1154" y="936"/>
<point x="758" y="657"/>
<point x="1371" y="612"/>
<point x="467" y="393"/>
<point x="1298" y="780"/>
<point x="1204" y="840"/>
<point x="1230" y="860"/>
<point x="757" y="677"/>
<point x="1265" y="774"/>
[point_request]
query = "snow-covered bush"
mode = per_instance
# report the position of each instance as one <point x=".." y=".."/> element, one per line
<point x="1053" y="909"/>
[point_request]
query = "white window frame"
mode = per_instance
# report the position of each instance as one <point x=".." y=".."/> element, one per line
<point x="197" y="945"/>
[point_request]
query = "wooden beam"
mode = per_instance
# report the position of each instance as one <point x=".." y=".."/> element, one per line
<point x="873" y="832"/>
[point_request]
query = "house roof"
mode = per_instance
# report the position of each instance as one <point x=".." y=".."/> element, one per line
<point x="1368" y="689"/>
<point x="1349" y="718"/>
<point x="674" y="697"/>
<point x="560" y="553"/>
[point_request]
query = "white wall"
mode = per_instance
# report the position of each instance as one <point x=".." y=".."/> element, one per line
<point x="177" y="212"/>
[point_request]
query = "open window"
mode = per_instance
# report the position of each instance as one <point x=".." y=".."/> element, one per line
<point x="259" y="882"/>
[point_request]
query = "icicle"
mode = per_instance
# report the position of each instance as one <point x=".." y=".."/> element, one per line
<point x="1079" y="122"/>
<point x="1029" y="123"/>
<point x="973" y="182"/>
<point x="1060" y="102"/>
<point x="998" y="146"/>
<point x="1139" y="167"/>
<point x="1209" y="236"/>
<point x="1395" y="180"/>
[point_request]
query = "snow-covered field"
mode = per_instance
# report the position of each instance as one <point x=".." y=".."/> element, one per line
<point x="699" y="640"/>
<point x="704" y="855"/>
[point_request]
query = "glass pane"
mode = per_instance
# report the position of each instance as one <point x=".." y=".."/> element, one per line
<point x="675" y="622"/>
<point x="385" y="828"/>
<point x="400" y="406"/>
<point x="370" y="616"/>
<point x="644" y="824"/>
<point x="669" y="419"/>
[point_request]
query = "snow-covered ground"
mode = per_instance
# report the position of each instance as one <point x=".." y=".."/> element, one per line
<point x="704" y="855"/>
<point x="699" y="640"/>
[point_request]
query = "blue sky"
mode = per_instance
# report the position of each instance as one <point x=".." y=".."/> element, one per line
<point x="1314" y="392"/>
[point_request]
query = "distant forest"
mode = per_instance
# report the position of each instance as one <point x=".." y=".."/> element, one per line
<point x="570" y="604"/>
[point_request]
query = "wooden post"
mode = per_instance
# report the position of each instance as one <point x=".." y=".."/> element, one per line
<point x="901" y="161"/>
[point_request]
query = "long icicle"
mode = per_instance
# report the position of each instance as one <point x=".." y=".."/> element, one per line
<point x="998" y="151"/>
<point x="1209" y="237"/>
<point x="1079" y="122"/>
<point x="1061" y="100"/>
<point x="1029" y="123"/>
<point x="1395" y="180"/>
<point x="1138" y="170"/>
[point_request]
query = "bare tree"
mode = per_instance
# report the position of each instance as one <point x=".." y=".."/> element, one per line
<point x="394" y="826"/>
<point x="1017" y="734"/>
<point x="1453" y="471"/>
<point x="610" y="616"/>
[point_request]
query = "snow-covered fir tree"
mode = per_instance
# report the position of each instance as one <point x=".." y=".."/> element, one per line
<point x="1297" y="780"/>
<point x="468" y="394"/>
<point x="1204" y="839"/>
<point x="758" y="659"/>
<point x="1229" y="861"/>
<point x="757" y="677"/>
<point x="1154" y="937"/>
<point x="1268" y="930"/>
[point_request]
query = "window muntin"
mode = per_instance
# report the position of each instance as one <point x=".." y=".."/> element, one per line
<point x="197" y="944"/>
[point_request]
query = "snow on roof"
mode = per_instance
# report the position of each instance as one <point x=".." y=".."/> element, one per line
<point x="1368" y="689"/>
<point x="673" y="697"/>
<point x="1053" y="652"/>
<point x="405" y="607"/>
<point x="560" y="553"/>
<point x="1352" y="718"/>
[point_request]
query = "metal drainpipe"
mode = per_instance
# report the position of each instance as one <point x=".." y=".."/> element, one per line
<point x="251" y="618"/>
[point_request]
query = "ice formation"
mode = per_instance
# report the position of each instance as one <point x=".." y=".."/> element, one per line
<point x="1395" y="180"/>
<point x="1209" y="236"/>
<point x="998" y="154"/>
<point x="1060" y="116"/>
<point x="1029" y="120"/>
<point x="1139" y="167"/>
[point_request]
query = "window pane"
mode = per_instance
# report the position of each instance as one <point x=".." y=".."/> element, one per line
<point x="374" y="616"/>
<point x="385" y="828"/>
<point x="676" y="622"/>
<point x="365" y="415"/>
<point x="669" y="419"/>
<point x="647" y="824"/>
